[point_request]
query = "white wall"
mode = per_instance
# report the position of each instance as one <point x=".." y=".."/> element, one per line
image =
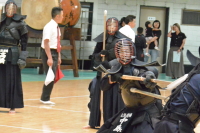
<point x="121" y="8"/>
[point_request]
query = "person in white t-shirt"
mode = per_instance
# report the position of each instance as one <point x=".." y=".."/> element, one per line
<point x="50" y="56"/>
<point x="127" y="29"/>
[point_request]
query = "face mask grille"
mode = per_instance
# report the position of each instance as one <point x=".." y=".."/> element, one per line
<point x="124" y="51"/>
<point x="11" y="9"/>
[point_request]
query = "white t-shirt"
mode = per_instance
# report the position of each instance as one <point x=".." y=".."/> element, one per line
<point x="50" y="32"/>
<point x="128" y="31"/>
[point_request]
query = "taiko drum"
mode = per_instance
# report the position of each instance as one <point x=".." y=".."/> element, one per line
<point x="39" y="12"/>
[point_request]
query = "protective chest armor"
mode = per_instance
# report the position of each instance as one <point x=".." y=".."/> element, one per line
<point x="134" y="100"/>
<point x="11" y="34"/>
<point x="193" y="111"/>
<point x="9" y="39"/>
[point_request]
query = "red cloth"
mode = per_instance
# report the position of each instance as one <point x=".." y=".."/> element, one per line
<point x="58" y="39"/>
<point x="58" y="75"/>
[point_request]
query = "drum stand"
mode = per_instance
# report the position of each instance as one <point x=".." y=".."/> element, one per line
<point x="71" y="34"/>
<point x="36" y="35"/>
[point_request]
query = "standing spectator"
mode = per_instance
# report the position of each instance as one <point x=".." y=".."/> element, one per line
<point x="178" y="38"/>
<point x="127" y="29"/>
<point x="50" y="50"/>
<point x="122" y="22"/>
<point x="156" y="33"/>
<point x="149" y="36"/>
<point x="140" y="44"/>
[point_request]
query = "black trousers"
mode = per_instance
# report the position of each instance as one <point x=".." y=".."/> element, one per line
<point x="46" y="92"/>
<point x="140" y="56"/>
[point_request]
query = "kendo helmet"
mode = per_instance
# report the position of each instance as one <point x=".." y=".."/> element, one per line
<point x="112" y="25"/>
<point x="10" y="8"/>
<point x="192" y="58"/>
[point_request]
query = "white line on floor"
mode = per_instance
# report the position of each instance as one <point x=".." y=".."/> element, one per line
<point x="50" y="107"/>
<point x="31" y="129"/>
<point x="58" y="97"/>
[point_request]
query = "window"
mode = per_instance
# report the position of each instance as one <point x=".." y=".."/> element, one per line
<point x="85" y="21"/>
<point x="191" y="17"/>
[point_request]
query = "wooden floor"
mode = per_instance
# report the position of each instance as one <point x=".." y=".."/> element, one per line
<point x="69" y="114"/>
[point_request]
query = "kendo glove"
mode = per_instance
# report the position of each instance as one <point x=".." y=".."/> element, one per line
<point x="147" y="82"/>
<point x="104" y="52"/>
<point x="22" y="59"/>
<point x="106" y="64"/>
<point x="117" y="77"/>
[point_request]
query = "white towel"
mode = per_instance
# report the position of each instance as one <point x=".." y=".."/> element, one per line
<point x="50" y="76"/>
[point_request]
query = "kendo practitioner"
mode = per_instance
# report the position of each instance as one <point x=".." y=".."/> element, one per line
<point x="112" y="100"/>
<point x="94" y="88"/>
<point x="141" y="112"/>
<point x="181" y="113"/>
<point x="13" y="54"/>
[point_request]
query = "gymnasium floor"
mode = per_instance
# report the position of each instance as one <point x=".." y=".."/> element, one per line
<point x="69" y="114"/>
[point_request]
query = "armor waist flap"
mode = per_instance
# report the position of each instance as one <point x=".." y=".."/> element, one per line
<point x="15" y="55"/>
<point x="3" y="54"/>
<point x="9" y="54"/>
